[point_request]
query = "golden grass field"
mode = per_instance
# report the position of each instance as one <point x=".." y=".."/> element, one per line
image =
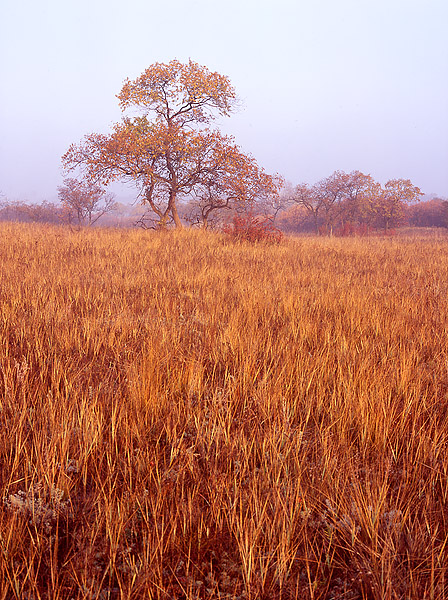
<point x="187" y="417"/>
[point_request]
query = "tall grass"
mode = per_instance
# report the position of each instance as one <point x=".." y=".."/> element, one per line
<point x="186" y="417"/>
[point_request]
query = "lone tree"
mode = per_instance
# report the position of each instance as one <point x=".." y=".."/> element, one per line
<point x="167" y="148"/>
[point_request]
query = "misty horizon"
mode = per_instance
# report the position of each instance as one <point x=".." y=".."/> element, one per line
<point x="322" y="87"/>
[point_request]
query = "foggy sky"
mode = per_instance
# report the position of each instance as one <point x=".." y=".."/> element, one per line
<point x="325" y="84"/>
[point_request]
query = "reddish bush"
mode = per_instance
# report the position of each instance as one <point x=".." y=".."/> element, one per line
<point x="353" y="229"/>
<point x="253" y="228"/>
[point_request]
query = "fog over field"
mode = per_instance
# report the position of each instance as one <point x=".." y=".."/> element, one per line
<point x="324" y="85"/>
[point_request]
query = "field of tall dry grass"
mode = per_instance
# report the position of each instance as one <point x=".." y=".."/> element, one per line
<point x="186" y="417"/>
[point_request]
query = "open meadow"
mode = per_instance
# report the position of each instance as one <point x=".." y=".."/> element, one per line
<point x="183" y="416"/>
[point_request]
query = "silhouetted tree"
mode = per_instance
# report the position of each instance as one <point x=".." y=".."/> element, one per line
<point x="85" y="202"/>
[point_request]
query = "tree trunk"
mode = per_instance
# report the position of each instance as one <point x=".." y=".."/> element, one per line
<point x="316" y="221"/>
<point x="175" y="215"/>
<point x="173" y="191"/>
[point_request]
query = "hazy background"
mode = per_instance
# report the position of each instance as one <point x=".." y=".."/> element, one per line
<point x="325" y="84"/>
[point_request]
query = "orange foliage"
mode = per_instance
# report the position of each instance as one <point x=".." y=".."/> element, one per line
<point x="173" y="156"/>
<point x="179" y="93"/>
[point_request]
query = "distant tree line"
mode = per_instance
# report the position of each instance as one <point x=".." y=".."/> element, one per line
<point x="81" y="203"/>
<point x="351" y="203"/>
<point x="295" y="210"/>
<point x="428" y="213"/>
<point x="31" y="212"/>
<point x="431" y="213"/>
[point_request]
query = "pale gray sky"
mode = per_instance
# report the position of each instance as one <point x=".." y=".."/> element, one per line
<point x="325" y="84"/>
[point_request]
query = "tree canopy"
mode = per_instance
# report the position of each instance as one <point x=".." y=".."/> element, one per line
<point x="168" y="148"/>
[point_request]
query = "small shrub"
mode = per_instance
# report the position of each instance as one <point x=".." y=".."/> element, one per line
<point x="253" y="228"/>
<point x="354" y="229"/>
<point x="40" y="506"/>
